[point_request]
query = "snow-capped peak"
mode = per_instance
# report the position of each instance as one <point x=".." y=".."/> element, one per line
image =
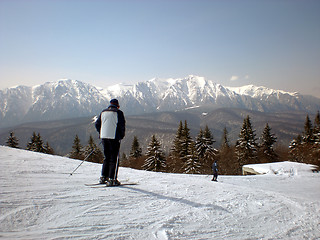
<point x="258" y="91"/>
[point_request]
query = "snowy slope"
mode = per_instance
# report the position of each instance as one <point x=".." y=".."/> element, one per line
<point x="40" y="200"/>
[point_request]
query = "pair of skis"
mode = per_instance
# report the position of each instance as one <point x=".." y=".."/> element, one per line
<point x="98" y="185"/>
<point x="115" y="178"/>
<point x="103" y="184"/>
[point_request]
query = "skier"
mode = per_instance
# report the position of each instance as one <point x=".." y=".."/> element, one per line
<point x="215" y="171"/>
<point x="111" y="127"/>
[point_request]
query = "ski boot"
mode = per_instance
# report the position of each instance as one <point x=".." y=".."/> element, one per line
<point x="116" y="182"/>
<point x="102" y="180"/>
<point x="109" y="182"/>
<point x="112" y="182"/>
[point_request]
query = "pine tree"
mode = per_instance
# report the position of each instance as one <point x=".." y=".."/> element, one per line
<point x="176" y="149"/>
<point x="210" y="152"/>
<point x="31" y="146"/>
<point x="186" y="141"/>
<point x="77" y="149"/>
<point x="208" y="136"/>
<point x="308" y="131"/>
<point x="227" y="162"/>
<point x="316" y="143"/>
<point x="246" y="147"/>
<point x="206" y="152"/>
<point x="308" y="142"/>
<point x="136" y="158"/>
<point x="174" y="163"/>
<point x="48" y="149"/>
<point x="200" y="144"/>
<point x="136" y="150"/>
<point x="12" y="141"/>
<point x="306" y="148"/>
<point x="316" y="129"/>
<point x="225" y="140"/>
<point x="266" y="147"/>
<point x="39" y="144"/>
<point x="296" y="149"/>
<point x="93" y="151"/>
<point x="192" y="164"/>
<point x="35" y="144"/>
<point x="155" y="160"/>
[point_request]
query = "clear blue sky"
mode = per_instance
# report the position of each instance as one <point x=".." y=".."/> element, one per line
<point x="274" y="43"/>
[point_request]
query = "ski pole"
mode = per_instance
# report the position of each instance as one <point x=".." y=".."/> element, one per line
<point x="83" y="161"/>
<point x="117" y="164"/>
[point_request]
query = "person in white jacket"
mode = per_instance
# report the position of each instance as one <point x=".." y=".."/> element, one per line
<point x="111" y="127"/>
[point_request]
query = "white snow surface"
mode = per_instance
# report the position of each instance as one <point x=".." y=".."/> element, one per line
<point x="291" y="168"/>
<point x="41" y="200"/>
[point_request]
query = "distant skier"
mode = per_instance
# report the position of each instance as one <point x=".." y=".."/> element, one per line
<point x="111" y="127"/>
<point x="215" y="171"/>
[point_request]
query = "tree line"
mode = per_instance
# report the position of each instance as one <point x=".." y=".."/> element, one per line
<point x="188" y="155"/>
<point x="36" y="144"/>
<point x="196" y="155"/>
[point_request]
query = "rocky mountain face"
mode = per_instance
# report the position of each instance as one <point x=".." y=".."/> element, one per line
<point x="50" y="101"/>
<point x="71" y="99"/>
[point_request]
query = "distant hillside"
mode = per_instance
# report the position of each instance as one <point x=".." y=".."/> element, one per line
<point x="60" y="134"/>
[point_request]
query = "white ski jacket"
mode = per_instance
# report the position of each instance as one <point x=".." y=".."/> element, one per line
<point x="111" y="123"/>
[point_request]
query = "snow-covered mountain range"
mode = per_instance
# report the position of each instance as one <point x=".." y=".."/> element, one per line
<point x="71" y="98"/>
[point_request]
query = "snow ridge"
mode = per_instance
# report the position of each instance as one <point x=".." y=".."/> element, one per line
<point x="259" y="91"/>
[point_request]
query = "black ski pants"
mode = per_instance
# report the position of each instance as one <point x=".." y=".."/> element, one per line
<point x="110" y="149"/>
<point x="215" y="175"/>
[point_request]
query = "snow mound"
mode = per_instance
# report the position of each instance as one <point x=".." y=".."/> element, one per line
<point x="280" y="168"/>
<point x="40" y="200"/>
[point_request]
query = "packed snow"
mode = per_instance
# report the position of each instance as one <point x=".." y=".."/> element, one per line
<point x="291" y="168"/>
<point x="41" y="200"/>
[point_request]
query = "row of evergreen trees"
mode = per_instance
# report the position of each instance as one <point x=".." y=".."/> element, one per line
<point x="306" y="147"/>
<point x="196" y="156"/>
<point x="36" y="144"/>
<point x="188" y="155"/>
<point x="91" y="152"/>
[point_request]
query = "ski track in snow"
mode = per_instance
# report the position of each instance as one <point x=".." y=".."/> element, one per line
<point x="40" y="200"/>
